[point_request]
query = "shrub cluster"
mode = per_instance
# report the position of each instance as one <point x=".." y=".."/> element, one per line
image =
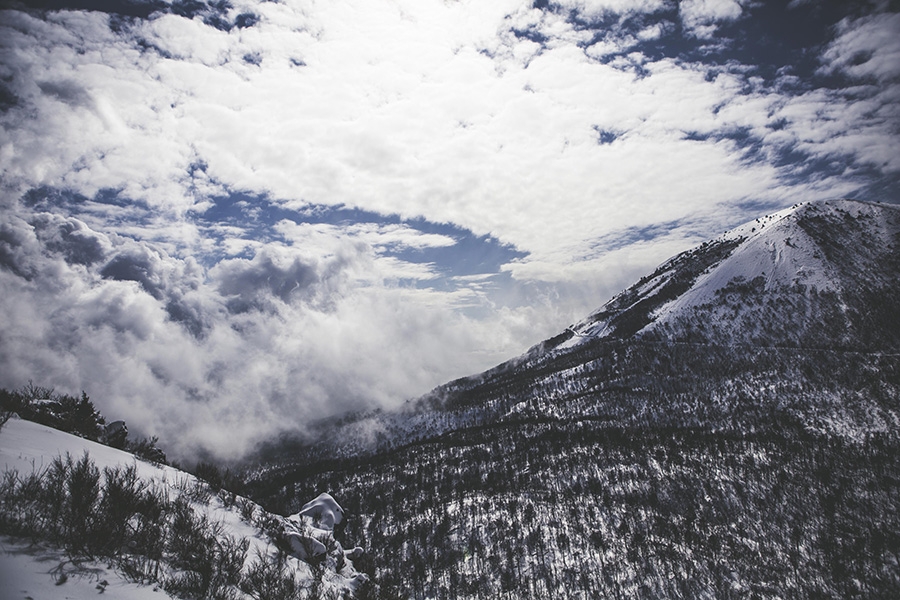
<point x="218" y="478"/>
<point x="116" y="516"/>
<point x="42" y="405"/>
<point x="76" y="415"/>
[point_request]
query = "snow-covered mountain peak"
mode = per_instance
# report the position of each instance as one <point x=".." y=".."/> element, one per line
<point x="770" y="270"/>
<point x="774" y="250"/>
<point x="760" y="225"/>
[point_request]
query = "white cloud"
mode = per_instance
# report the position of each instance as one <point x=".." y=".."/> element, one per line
<point x="443" y="132"/>
<point x="861" y="121"/>
<point x="702" y="17"/>
<point x="595" y="8"/>
<point x="495" y="118"/>
<point x="280" y="338"/>
<point x="370" y="239"/>
<point x="867" y="47"/>
<point x="652" y="32"/>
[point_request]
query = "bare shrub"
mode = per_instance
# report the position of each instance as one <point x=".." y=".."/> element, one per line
<point x="268" y="579"/>
<point x="247" y="508"/>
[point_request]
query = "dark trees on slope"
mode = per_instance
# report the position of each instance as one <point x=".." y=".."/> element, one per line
<point x="632" y="470"/>
<point x="76" y="415"/>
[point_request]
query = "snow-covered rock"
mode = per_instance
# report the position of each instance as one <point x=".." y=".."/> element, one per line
<point x="304" y="547"/>
<point x="324" y="512"/>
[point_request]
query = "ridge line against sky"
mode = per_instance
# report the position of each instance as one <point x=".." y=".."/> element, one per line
<point x="224" y="219"/>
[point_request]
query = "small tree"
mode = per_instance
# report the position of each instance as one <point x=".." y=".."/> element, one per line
<point x="80" y="416"/>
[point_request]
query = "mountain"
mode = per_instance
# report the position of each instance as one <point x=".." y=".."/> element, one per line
<point x="816" y="275"/>
<point x="79" y="519"/>
<point x="726" y="427"/>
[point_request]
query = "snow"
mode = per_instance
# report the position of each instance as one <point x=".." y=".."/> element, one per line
<point x="776" y="249"/>
<point x="34" y="571"/>
<point x="31" y="571"/>
<point x="28" y="570"/>
<point x="304" y="546"/>
<point x="25" y="446"/>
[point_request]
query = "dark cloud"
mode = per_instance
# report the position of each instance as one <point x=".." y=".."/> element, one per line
<point x="176" y="283"/>
<point x="128" y="8"/>
<point x="8" y="99"/>
<point x="47" y="198"/>
<point x="17" y="248"/>
<point x="244" y="20"/>
<point x="190" y="315"/>
<point x="138" y="264"/>
<point x="251" y="283"/>
<point x="71" y="238"/>
<point x="219" y="14"/>
<point x="68" y="92"/>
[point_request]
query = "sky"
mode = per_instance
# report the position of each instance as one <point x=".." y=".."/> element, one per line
<point x="225" y="220"/>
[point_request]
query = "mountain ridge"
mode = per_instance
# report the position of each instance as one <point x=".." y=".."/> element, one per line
<point x="705" y="296"/>
<point x="630" y="314"/>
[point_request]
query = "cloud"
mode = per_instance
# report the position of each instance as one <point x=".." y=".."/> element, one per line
<point x="866" y="47"/>
<point x="17" y="243"/>
<point x="857" y="125"/>
<point x="72" y="238"/>
<point x="276" y="273"/>
<point x="596" y="8"/>
<point x="420" y="189"/>
<point x="219" y="360"/>
<point x="399" y="236"/>
<point x="702" y="17"/>
<point x="446" y="132"/>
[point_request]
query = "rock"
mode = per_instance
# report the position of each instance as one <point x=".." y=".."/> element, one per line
<point x="324" y="511"/>
<point x="355" y="554"/>
<point x="304" y="547"/>
<point x="115" y="434"/>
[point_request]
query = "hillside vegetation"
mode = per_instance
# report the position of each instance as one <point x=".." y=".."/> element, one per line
<point x="97" y="507"/>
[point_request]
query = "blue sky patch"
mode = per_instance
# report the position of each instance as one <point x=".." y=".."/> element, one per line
<point x="256" y="217"/>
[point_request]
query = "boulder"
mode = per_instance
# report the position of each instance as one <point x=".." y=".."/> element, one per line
<point x="324" y="512"/>
<point x="304" y="547"/>
<point x="115" y="434"/>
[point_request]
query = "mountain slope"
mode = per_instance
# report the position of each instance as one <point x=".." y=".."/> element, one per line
<point x="767" y="309"/>
<point x="726" y="427"/>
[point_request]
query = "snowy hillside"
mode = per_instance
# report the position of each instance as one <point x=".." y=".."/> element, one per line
<point x="36" y="567"/>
